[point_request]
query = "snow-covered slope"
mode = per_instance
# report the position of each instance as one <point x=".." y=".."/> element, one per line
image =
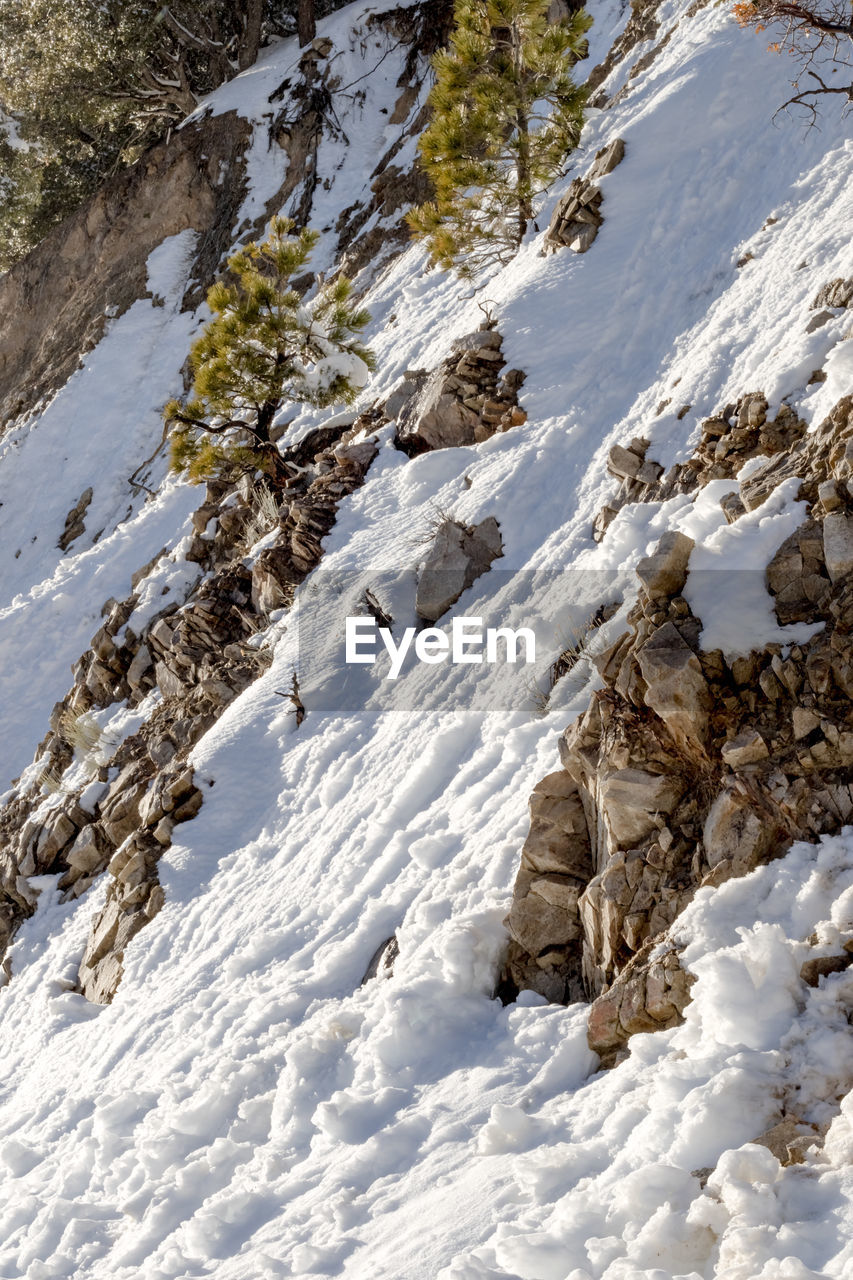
<point x="244" y="1108"/>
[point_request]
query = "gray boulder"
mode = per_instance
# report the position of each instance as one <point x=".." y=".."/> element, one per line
<point x="459" y="555"/>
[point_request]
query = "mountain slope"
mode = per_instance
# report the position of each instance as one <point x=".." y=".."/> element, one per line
<point x="244" y="1107"/>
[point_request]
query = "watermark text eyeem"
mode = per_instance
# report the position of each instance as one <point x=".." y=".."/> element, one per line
<point x="468" y="642"/>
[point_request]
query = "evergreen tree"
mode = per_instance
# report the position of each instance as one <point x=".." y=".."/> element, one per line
<point x="265" y="348"/>
<point x="89" y="84"/>
<point x="506" y="112"/>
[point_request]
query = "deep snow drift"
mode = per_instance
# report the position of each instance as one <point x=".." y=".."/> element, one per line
<point x="244" y="1108"/>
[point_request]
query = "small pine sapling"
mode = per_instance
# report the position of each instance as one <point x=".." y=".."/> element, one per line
<point x="263" y="349"/>
<point x="506" y="113"/>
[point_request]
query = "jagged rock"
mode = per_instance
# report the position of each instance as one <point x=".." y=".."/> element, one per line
<point x="197" y="653"/>
<point x="104" y="685"/>
<point x="558" y="839"/>
<point x="538" y="923"/>
<point x="664" y="572"/>
<point x="543" y="923"/>
<point x="458" y="556"/>
<point x="734" y="434"/>
<point x="90" y="851"/>
<point x="131" y="902"/>
<point x="631" y="800"/>
<point x="811" y="971"/>
<point x="203" y="515"/>
<point x="41" y="842"/>
<point x="169" y="684"/>
<point x="139" y="668"/>
<point x="309" y="515"/>
<point x="754" y="751"/>
<point x="747" y="748"/>
<point x="838" y="545"/>
<point x="410" y="385"/>
<point x="607" y="159"/>
<point x="188" y="807"/>
<point x="624" y="463"/>
<point x="735" y="836"/>
<point x="463" y="402"/>
<point x="836" y="293"/>
<point x="273" y="580"/>
<point x="75" y="521"/>
<point x="647" y="996"/>
<point x="733" y="507"/>
<point x="577" y="217"/>
<point x="676" y="689"/>
<point x="818" y="321"/>
<point x="119" y="811"/>
<point x="830" y="496"/>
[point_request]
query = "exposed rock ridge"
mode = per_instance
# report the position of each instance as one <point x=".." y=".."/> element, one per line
<point x="195" y="655"/>
<point x="371" y="232"/>
<point x="686" y="768"/>
<point x="728" y="439"/>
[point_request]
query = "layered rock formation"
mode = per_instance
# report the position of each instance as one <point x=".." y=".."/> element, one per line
<point x="576" y="221"/>
<point x="689" y="767"/>
<point x="469" y="398"/>
<point x="97" y="258"/>
<point x="93" y="266"/>
<point x="183" y="662"/>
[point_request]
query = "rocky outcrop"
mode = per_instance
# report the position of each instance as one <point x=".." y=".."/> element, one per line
<point x="546" y="934"/>
<point x="837" y="293"/>
<point x="650" y="994"/>
<point x="689" y="767"/>
<point x="459" y="554"/>
<point x="198" y="654"/>
<point x="75" y="525"/>
<point x="736" y="434"/>
<point x="465" y="401"/>
<point x="577" y="218"/>
<point x="371" y="231"/>
<point x="642" y="26"/>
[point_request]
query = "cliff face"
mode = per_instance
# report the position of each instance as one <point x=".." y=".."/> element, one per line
<point x="55" y="304"/>
<point x="256" y="908"/>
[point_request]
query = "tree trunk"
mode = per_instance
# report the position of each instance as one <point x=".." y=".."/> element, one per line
<point x="306" y="27"/>
<point x="266" y="414"/>
<point x="270" y="460"/>
<point x="253" y="12"/>
<point x="522" y="175"/>
<point x="522" y="160"/>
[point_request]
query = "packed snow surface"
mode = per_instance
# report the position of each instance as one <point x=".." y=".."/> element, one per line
<point x="245" y="1108"/>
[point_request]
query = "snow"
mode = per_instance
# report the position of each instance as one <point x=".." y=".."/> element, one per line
<point x="246" y="1108"/>
<point x="10" y="129"/>
<point x="725" y="584"/>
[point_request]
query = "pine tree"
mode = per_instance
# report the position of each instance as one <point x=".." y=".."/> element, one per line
<point x="89" y="84"/>
<point x="265" y="348"/>
<point x="506" y="112"/>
